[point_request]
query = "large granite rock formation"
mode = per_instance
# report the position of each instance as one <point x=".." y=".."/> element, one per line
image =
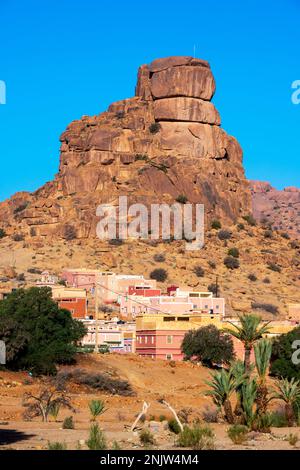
<point x="164" y="142"/>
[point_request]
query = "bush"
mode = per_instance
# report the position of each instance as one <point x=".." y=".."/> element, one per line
<point x="224" y="235"/>
<point x="266" y="280"/>
<point x="146" y="437"/>
<point x="250" y="220"/>
<point x="21" y="277"/>
<point x="197" y="437"/>
<point x="174" y="426"/>
<point x="182" y="199"/>
<point x="32" y="232"/>
<point x="238" y="433"/>
<point x="270" y="308"/>
<point x="240" y="226"/>
<point x="69" y="232"/>
<point x="162" y="418"/>
<point x="212" y="264"/>
<point x="154" y="128"/>
<point x="274" y="267"/>
<point x="18" y="237"/>
<point x="2" y="233"/>
<point x="57" y="446"/>
<point x="268" y="234"/>
<point x="209" y="345"/>
<point x="34" y="271"/>
<point x="285" y="235"/>
<point x="116" y="242"/>
<point x="252" y="277"/>
<point x="21" y="207"/>
<point x="141" y="157"/>
<point x="233" y="252"/>
<point x="282" y="352"/>
<point x="216" y="224"/>
<point x="199" y="271"/>
<point x="293" y="439"/>
<point x="278" y="419"/>
<point x="98" y="381"/>
<point x="68" y="423"/>
<point x="38" y="334"/>
<point x="212" y="288"/>
<point x="210" y="415"/>
<point x="159" y="257"/>
<point x="231" y="262"/>
<point x="96" y="440"/>
<point x="159" y="275"/>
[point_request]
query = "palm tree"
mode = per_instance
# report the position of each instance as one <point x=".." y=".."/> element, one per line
<point x="249" y="331"/>
<point x="289" y="392"/>
<point x="249" y="394"/>
<point x="262" y="351"/>
<point x="223" y="385"/>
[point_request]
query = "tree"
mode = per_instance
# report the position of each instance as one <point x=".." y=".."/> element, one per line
<point x="289" y="392"/>
<point x="45" y="402"/>
<point x="209" y="345"/>
<point x="223" y="385"/>
<point x="37" y="333"/>
<point x="262" y="351"/>
<point x="159" y="275"/>
<point x="282" y="352"/>
<point x="249" y="331"/>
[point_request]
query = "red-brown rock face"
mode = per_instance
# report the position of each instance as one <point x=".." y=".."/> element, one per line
<point x="122" y="152"/>
<point x="279" y="208"/>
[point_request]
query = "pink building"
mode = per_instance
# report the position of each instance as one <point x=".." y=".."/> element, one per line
<point x="80" y="278"/>
<point x="119" y="337"/>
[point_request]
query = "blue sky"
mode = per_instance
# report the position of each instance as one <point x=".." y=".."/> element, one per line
<point x="62" y="59"/>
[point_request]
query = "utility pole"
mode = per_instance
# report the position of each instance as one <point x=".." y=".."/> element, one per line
<point x="217" y="286"/>
<point x="96" y="317"/>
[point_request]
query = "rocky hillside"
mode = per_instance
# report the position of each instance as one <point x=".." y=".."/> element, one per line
<point x="281" y="209"/>
<point x="164" y="142"/>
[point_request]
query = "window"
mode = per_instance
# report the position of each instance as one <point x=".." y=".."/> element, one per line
<point x="152" y="339"/>
<point x="169" y="339"/>
<point x="169" y="318"/>
<point x="217" y="307"/>
<point x="146" y="339"/>
<point x="169" y="357"/>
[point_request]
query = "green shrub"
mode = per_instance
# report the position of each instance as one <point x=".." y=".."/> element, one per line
<point x="96" y="440"/>
<point x="250" y="220"/>
<point x="240" y="226"/>
<point x="21" y="208"/>
<point x="116" y="242"/>
<point x="233" y="252"/>
<point x="270" y="308"/>
<point x="154" y="128"/>
<point x="278" y="419"/>
<point x="2" y="233"/>
<point x="199" y="271"/>
<point x="97" y="408"/>
<point x="252" y="277"/>
<point x="231" y="262"/>
<point x="212" y="288"/>
<point x="292" y="439"/>
<point x="274" y="267"/>
<point x="162" y="418"/>
<point x="146" y="437"/>
<point x="266" y="280"/>
<point x="238" y="433"/>
<point x="69" y="232"/>
<point x="57" y="446"/>
<point x="68" y="423"/>
<point x="197" y="437"/>
<point x="159" y="257"/>
<point x="159" y="275"/>
<point x="216" y="224"/>
<point x="212" y="264"/>
<point x="224" y="235"/>
<point x="18" y="237"/>
<point x="268" y="234"/>
<point x="182" y="199"/>
<point x="174" y="426"/>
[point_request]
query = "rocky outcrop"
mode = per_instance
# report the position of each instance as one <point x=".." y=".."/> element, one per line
<point x="164" y="142"/>
<point x="281" y="209"/>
